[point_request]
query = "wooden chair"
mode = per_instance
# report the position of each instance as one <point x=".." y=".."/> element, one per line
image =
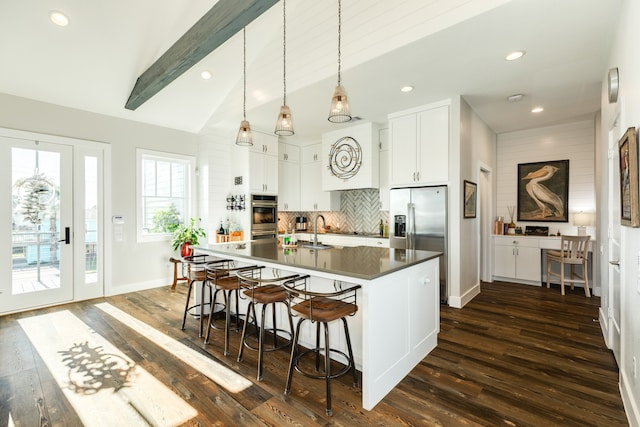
<point x="574" y="251"/>
<point x="321" y="308"/>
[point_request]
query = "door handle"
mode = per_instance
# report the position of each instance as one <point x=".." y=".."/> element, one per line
<point x="616" y="263"/>
<point x="67" y="236"/>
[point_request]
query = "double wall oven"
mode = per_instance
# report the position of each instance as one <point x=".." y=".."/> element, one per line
<point x="264" y="218"/>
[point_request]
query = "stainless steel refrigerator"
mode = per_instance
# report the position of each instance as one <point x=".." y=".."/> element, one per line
<point x="419" y="221"/>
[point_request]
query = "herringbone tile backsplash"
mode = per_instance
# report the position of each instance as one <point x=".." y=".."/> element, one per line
<point x="359" y="212"/>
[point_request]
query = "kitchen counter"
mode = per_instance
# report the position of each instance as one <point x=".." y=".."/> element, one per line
<point x="398" y="317"/>
<point x="359" y="262"/>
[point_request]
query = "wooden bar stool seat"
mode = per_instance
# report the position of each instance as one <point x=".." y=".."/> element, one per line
<point x="266" y="292"/>
<point x="321" y="308"/>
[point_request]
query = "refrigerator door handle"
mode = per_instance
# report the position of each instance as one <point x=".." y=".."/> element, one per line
<point x="411" y="226"/>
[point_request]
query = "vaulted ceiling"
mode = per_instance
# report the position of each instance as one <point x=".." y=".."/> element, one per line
<point x="441" y="47"/>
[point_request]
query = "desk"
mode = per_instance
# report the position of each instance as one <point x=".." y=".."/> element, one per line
<point x="522" y="259"/>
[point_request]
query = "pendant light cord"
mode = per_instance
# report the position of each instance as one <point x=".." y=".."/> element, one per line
<point x="339" y="34"/>
<point x="284" y="50"/>
<point x="244" y="72"/>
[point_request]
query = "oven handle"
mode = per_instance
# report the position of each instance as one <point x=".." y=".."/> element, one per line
<point x="264" y="234"/>
<point x="262" y="204"/>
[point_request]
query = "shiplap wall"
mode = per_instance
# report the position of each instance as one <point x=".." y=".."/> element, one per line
<point x="574" y="141"/>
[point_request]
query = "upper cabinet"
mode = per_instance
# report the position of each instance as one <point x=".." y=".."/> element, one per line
<point x="419" y="146"/>
<point x="263" y="164"/>
<point x="288" y="177"/>
<point x="288" y="152"/>
<point x="383" y="136"/>
<point x="350" y="158"/>
<point x="312" y="198"/>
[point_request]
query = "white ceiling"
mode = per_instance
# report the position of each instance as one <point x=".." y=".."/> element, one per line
<point x="442" y="47"/>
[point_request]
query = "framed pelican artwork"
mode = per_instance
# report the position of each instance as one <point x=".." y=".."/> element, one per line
<point x="628" y="158"/>
<point x="543" y="191"/>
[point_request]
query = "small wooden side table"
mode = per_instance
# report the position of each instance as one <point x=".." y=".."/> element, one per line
<point x="176" y="279"/>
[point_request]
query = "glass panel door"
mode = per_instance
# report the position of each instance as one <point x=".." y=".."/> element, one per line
<point x="38" y="183"/>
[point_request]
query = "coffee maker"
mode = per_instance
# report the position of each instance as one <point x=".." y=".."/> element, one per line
<point x="301" y="223"/>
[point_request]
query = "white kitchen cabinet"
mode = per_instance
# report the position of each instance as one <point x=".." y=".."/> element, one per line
<point x="288" y="153"/>
<point x="311" y="153"/>
<point x="264" y="143"/>
<point x="256" y="166"/>
<point x="420" y="146"/>
<point x="263" y="173"/>
<point x="517" y="258"/>
<point x="312" y="198"/>
<point x="288" y="185"/>
<point x="383" y="137"/>
<point x="350" y="158"/>
<point x="288" y="177"/>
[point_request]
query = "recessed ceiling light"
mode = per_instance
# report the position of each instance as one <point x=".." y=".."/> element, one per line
<point x="515" y="98"/>
<point x="406" y="88"/>
<point x="205" y="75"/>
<point x="515" y="55"/>
<point x="59" y="18"/>
<point x="537" y="110"/>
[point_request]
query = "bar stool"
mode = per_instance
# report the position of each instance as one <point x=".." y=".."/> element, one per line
<point x="196" y="272"/>
<point x="265" y="291"/>
<point x="322" y="308"/>
<point x="223" y="278"/>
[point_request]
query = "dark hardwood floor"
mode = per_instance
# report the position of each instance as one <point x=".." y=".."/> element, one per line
<point x="515" y="356"/>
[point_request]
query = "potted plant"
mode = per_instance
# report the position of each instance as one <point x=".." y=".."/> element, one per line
<point x="187" y="235"/>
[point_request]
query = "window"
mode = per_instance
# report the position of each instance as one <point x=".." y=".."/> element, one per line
<point x="165" y="193"/>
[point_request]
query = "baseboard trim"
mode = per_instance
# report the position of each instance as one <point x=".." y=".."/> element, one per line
<point x="630" y="402"/>
<point x="135" y="287"/>
<point x="461" y="301"/>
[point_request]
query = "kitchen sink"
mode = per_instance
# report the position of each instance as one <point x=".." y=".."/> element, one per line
<point x="318" y="246"/>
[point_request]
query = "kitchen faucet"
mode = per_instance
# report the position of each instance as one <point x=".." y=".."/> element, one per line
<point x="315" y="229"/>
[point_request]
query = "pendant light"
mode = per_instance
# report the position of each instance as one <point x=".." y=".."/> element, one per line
<point x="284" y="124"/>
<point x="339" y="112"/>
<point x="244" y="134"/>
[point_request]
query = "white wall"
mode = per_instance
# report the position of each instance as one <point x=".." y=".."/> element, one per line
<point x="135" y="265"/>
<point x="475" y="147"/>
<point x="573" y="141"/>
<point x="624" y="55"/>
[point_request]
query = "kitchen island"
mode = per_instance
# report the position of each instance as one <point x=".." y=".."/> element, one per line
<point x="398" y="318"/>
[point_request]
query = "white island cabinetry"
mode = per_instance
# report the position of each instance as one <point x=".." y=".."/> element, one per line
<point x="398" y="318"/>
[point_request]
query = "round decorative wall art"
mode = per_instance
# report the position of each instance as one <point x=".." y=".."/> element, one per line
<point x="345" y="158"/>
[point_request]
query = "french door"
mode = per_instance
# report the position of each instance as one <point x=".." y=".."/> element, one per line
<point x="52" y="251"/>
<point x="612" y="294"/>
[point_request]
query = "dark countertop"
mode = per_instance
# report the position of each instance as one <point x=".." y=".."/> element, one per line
<point x="361" y="262"/>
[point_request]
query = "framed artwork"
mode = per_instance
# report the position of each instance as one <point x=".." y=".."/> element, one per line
<point x="628" y="158"/>
<point x="470" y="197"/>
<point x="543" y="191"/>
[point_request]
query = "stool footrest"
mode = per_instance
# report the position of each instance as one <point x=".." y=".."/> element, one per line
<point x="321" y="376"/>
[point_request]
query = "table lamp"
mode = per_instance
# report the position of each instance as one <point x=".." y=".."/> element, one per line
<point x="582" y="220"/>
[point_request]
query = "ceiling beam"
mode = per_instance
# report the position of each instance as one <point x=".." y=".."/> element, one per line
<point x="219" y="24"/>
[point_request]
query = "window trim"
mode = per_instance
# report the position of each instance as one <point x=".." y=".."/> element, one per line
<point x="190" y="161"/>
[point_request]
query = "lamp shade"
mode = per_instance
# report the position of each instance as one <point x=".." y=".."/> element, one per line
<point x="284" y="124"/>
<point x="339" y="112"/>
<point x="244" y="134"/>
<point x="581" y="219"/>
